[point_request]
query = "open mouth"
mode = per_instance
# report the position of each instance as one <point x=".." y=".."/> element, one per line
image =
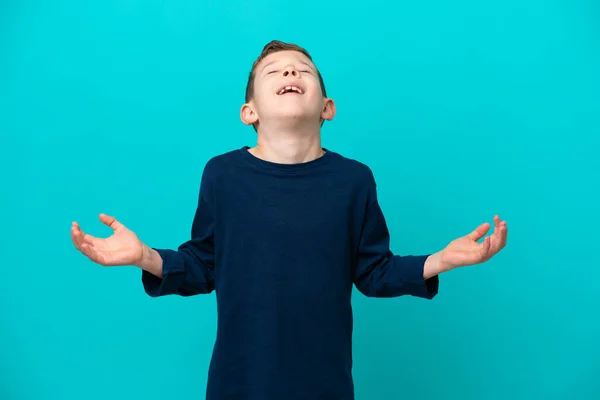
<point x="290" y="89"/>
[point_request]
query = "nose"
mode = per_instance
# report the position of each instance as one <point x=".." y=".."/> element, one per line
<point x="290" y="71"/>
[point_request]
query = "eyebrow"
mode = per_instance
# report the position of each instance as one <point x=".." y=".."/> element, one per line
<point x="266" y="65"/>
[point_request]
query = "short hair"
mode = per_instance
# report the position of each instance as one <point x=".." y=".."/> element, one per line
<point x="275" y="46"/>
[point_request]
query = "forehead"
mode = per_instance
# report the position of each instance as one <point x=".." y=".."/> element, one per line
<point x="283" y="57"/>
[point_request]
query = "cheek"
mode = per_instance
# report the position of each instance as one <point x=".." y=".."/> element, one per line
<point x="262" y="98"/>
<point x="316" y="90"/>
<point x="317" y="99"/>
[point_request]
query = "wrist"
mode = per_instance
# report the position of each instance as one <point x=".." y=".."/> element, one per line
<point x="151" y="261"/>
<point x="436" y="264"/>
<point x="145" y="257"/>
<point x="433" y="265"/>
<point x="444" y="266"/>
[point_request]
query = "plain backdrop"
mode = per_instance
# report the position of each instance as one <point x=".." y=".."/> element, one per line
<point x="462" y="109"/>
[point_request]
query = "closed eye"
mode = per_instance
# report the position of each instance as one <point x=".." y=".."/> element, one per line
<point x="273" y="72"/>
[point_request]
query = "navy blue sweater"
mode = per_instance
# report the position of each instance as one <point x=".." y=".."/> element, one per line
<point x="282" y="246"/>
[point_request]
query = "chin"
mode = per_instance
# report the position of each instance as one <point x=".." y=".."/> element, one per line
<point x="297" y="117"/>
<point x="298" y="112"/>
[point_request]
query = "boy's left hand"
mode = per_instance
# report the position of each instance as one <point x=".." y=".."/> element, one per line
<point x="467" y="251"/>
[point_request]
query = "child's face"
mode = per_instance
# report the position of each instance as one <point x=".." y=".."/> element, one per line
<point x="287" y="89"/>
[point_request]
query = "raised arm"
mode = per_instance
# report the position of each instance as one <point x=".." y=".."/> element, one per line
<point x="187" y="271"/>
<point x="381" y="273"/>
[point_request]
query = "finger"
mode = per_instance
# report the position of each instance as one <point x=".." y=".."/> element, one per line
<point x="478" y="253"/>
<point x="110" y="221"/>
<point x="80" y="238"/>
<point x="94" y="255"/>
<point x="495" y="230"/>
<point x="503" y="234"/>
<point x="91" y="240"/>
<point x="498" y="240"/>
<point x="497" y="222"/>
<point x="89" y="252"/>
<point x="75" y="239"/>
<point x="77" y="236"/>
<point x="500" y="231"/>
<point x="485" y="249"/>
<point x="479" y="232"/>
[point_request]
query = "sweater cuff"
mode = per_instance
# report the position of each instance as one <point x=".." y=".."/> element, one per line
<point x="173" y="270"/>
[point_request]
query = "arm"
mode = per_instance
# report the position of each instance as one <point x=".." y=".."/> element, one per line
<point x="189" y="270"/>
<point x="379" y="272"/>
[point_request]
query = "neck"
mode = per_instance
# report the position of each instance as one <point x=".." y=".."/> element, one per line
<point x="288" y="147"/>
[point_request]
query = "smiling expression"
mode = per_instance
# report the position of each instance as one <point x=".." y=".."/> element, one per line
<point x="287" y="88"/>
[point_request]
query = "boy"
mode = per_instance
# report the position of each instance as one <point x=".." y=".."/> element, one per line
<point x="281" y="233"/>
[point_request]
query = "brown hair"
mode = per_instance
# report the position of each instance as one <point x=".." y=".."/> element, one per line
<point x="275" y="46"/>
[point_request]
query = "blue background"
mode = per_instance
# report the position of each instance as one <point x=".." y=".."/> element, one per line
<point x="462" y="109"/>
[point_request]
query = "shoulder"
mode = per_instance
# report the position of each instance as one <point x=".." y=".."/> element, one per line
<point x="358" y="178"/>
<point x="220" y="163"/>
<point x="357" y="170"/>
<point x="215" y="168"/>
<point x="222" y="159"/>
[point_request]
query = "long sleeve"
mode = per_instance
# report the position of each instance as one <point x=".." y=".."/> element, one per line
<point x="379" y="272"/>
<point x="189" y="270"/>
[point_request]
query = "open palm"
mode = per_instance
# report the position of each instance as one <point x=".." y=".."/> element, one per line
<point x="467" y="250"/>
<point x="121" y="248"/>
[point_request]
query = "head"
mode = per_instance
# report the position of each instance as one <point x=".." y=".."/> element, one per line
<point x="279" y="66"/>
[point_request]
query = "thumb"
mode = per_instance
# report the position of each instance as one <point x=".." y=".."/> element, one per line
<point x="479" y="232"/>
<point x="111" y="222"/>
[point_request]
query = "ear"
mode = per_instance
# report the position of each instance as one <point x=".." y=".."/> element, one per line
<point x="248" y="115"/>
<point x="328" y="109"/>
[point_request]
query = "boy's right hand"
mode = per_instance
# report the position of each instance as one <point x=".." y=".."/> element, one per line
<point x="122" y="248"/>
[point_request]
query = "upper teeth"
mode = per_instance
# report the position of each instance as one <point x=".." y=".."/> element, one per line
<point x="290" y="88"/>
